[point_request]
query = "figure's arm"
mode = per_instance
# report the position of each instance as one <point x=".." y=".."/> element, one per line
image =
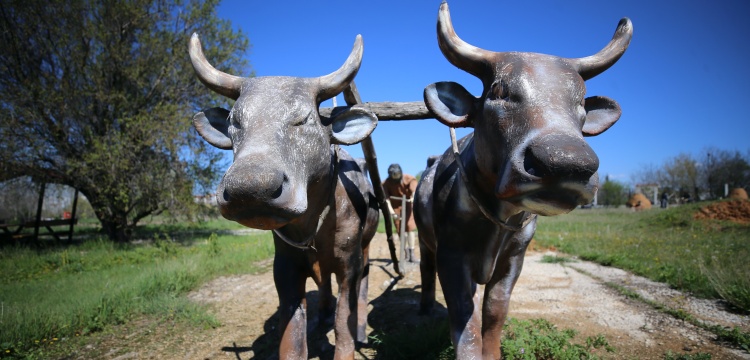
<point x="412" y="189"/>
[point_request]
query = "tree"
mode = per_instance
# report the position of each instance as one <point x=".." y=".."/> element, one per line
<point x="683" y="173"/>
<point x="725" y="167"/>
<point x="612" y="193"/>
<point x="99" y="95"/>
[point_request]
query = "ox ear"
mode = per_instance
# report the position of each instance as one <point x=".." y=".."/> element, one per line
<point x="213" y="124"/>
<point x="601" y="113"/>
<point x="352" y="126"/>
<point x="451" y="103"/>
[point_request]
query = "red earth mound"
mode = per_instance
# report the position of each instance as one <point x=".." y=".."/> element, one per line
<point x="639" y="202"/>
<point x="737" y="210"/>
<point x="738" y="193"/>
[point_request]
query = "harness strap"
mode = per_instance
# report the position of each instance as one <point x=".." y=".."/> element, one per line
<point x="527" y="216"/>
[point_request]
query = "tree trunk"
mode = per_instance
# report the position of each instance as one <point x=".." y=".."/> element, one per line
<point x="117" y="232"/>
<point x="114" y="223"/>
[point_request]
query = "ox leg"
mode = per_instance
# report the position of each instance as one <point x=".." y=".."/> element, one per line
<point x="462" y="299"/>
<point x="362" y="299"/>
<point x="326" y="302"/>
<point x="499" y="288"/>
<point x="289" y="278"/>
<point x="496" y="304"/>
<point x="345" y="325"/>
<point x="427" y="272"/>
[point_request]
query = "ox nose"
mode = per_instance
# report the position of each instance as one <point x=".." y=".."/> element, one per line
<point x="560" y="158"/>
<point x="250" y="184"/>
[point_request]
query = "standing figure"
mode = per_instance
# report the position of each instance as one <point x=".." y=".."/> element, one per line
<point x="399" y="184"/>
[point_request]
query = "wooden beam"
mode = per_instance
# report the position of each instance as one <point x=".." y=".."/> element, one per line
<point x="387" y="111"/>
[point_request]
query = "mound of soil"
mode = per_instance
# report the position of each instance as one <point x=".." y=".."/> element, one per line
<point x="639" y="202"/>
<point x="738" y="193"/>
<point x="737" y="210"/>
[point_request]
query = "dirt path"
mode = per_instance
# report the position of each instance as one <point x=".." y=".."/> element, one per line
<point x="246" y="306"/>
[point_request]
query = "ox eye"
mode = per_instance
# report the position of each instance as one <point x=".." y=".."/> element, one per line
<point x="233" y="122"/>
<point x="499" y="90"/>
<point x="305" y="120"/>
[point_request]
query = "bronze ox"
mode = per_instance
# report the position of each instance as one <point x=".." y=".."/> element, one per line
<point x="290" y="176"/>
<point x="476" y="209"/>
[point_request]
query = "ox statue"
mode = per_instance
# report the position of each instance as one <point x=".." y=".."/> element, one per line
<point x="476" y="206"/>
<point x="290" y="176"/>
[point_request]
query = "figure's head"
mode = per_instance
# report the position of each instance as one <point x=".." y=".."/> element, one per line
<point x="394" y="172"/>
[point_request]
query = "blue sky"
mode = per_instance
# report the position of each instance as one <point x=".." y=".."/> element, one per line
<point x="683" y="84"/>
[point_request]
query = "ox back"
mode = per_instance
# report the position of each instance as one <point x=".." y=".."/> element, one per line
<point x="476" y="205"/>
<point x="290" y="176"/>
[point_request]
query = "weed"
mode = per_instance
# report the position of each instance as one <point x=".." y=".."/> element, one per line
<point x="699" y="356"/>
<point x="214" y="248"/>
<point x="549" y="259"/>
<point x="522" y="339"/>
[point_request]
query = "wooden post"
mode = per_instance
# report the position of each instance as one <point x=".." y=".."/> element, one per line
<point x="402" y="230"/>
<point x="73" y="216"/>
<point x="351" y="96"/>
<point x="39" y="212"/>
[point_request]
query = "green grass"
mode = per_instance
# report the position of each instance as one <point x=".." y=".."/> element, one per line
<point x="55" y="293"/>
<point x="522" y="339"/>
<point x="705" y="258"/>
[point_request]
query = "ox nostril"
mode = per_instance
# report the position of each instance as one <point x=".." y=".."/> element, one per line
<point x="531" y="164"/>
<point x="225" y="195"/>
<point x="280" y="189"/>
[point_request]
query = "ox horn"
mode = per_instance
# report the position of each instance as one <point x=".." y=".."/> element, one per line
<point x="464" y="56"/>
<point x="593" y="65"/>
<point x="332" y="84"/>
<point x="220" y="82"/>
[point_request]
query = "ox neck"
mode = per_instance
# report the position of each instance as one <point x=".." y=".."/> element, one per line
<point x="498" y="212"/>
<point x="290" y="233"/>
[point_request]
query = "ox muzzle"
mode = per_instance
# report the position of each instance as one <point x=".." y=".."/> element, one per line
<point x="258" y="195"/>
<point x="550" y="175"/>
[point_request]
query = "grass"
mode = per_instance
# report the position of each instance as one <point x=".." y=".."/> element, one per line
<point x="50" y="294"/>
<point x="705" y="258"/>
<point x="522" y="339"/>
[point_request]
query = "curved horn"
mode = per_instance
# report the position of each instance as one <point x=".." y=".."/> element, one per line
<point x="464" y="56"/>
<point x="220" y="82"/>
<point x="332" y="84"/>
<point x="593" y="65"/>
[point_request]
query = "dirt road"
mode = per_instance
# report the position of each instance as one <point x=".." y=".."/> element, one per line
<point x="565" y="294"/>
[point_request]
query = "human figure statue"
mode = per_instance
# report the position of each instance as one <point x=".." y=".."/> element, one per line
<point x="399" y="184"/>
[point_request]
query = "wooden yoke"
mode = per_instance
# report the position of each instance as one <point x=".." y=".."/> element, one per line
<point x="386" y="111"/>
